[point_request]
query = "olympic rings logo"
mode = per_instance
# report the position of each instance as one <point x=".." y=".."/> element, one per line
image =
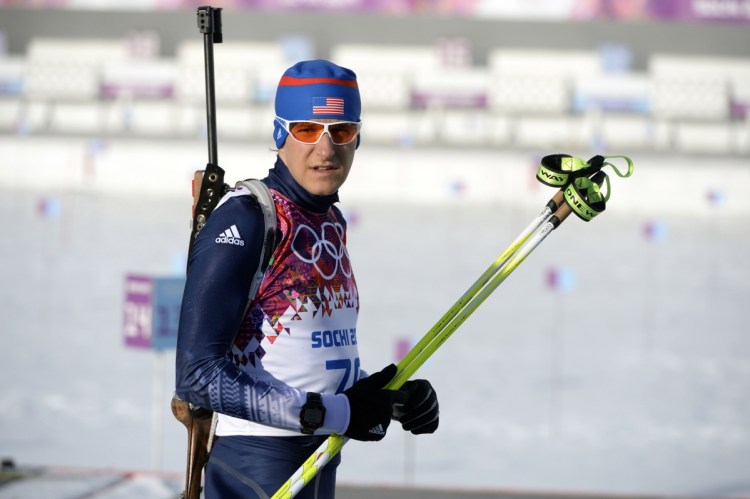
<point x="327" y="253"/>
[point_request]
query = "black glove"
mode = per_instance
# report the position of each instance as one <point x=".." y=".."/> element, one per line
<point x="371" y="406"/>
<point x="421" y="412"/>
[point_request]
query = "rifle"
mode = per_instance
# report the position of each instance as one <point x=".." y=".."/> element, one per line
<point x="208" y="188"/>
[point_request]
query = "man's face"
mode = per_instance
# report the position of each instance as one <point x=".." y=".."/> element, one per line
<point x="319" y="168"/>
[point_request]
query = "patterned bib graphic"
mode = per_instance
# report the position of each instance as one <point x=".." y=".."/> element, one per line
<point x="325" y="251"/>
<point x="310" y="287"/>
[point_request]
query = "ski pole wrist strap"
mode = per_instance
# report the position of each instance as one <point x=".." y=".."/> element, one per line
<point x="581" y="181"/>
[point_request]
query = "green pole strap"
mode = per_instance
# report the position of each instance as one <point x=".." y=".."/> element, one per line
<point x="581" y="180"/>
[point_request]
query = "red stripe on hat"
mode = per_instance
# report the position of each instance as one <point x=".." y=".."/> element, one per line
<point x="291" y="81"/>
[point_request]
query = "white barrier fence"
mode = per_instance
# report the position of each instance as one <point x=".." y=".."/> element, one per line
<point x="689" y="185"/>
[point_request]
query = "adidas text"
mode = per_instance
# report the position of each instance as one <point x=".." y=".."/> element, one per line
<point x="230" y="240"/>
<point x="377" y="430"/>
<point x="230" y="236"/>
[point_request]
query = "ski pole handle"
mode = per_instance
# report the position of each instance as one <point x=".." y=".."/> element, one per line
<point x="561" y="214"/>
<point x="552" y="206"/>
<point x="209" y="23"/>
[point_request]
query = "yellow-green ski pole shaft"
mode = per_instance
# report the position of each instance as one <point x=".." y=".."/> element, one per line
<point x="429" y="337"/>
<point x="406" y="371"/>
<point x="311" y="466"/>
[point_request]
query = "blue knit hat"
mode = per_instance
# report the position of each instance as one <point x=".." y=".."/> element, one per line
<point x="314" y="90"/>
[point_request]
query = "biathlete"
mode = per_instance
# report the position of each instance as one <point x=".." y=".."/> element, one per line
<point x="283" y="372"/>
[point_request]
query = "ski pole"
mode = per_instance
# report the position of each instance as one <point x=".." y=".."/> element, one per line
<point x="499" y="262"/>
<point x="512" y="257"/>
<point x="406" y="370"/>
<point x="429" y="343"/>
<point x="554" y="213"/>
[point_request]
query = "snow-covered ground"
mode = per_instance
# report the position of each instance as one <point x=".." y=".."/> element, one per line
<point x="633" y="380"/>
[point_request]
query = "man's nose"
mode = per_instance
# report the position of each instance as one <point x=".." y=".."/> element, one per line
<point x="325" y="144"/>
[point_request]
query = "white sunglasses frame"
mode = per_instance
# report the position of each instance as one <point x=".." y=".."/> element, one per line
<point x="285" y="125"/>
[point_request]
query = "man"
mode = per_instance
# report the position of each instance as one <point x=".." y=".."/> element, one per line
<point x="284" y="372"/>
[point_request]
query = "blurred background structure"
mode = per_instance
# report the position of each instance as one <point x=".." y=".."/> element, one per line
<point x="613" y="362"/>
<point x="550" y="74"/>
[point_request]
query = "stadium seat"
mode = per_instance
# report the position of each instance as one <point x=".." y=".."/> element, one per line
<point x="451" y="88"/>
<point x="237" y="123"/>
<point x="12" y="70"/>
<point x="68" y="68"/>
<point x="707" y="138"/>
<point x="741" y="137"/>
<point x="529" y="94"/>
<point x="35" y="116"/>
<point x="236" y="69"/>
<point x="153" y="118"/>
<point x="150" y="79"/>
<point x="615" y="93"/>
<point x="551" y="131"/>
<point x="697" y="88"/>
<point x="75" y="118"/>
<point x="543" y="63"/>
<point x="386" y="73"/>
<point x="740" y="98"/>
<point x="398" y="58"/>
<point x="463" y="127"/>
<point x="398" y="128"/>
<point x="621" y="132"/>
<point x="537" y="81"/>
<point x="10" y="114"/>
<point x="691" y="98"/>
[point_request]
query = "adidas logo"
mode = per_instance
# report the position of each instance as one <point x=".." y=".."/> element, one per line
<point x="230" y="236"/>
<point x="377" y="430"/>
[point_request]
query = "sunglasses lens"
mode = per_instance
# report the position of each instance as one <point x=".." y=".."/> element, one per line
<point x="306" y="131"/>
<point x="343" y="133"/>
<point x="309" y="132"/>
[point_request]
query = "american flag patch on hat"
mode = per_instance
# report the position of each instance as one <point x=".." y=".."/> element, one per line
<point x="328" y="105"/>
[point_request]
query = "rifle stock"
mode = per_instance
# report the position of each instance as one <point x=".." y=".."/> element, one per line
<point x="197" y="421"/>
